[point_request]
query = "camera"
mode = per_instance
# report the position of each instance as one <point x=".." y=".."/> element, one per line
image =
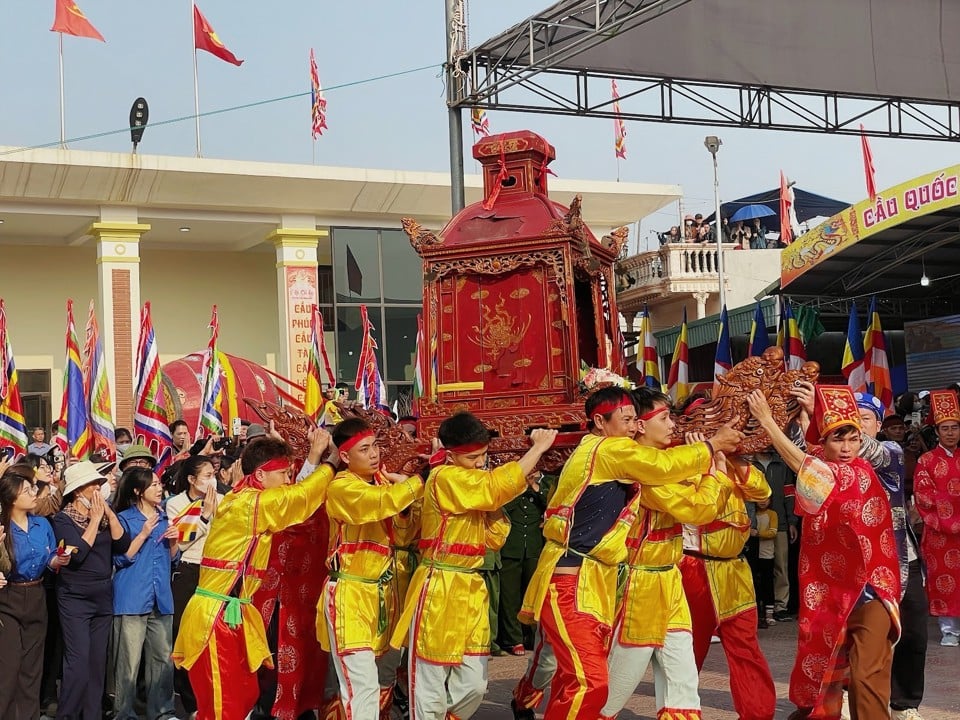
<point x="222" y="443"/>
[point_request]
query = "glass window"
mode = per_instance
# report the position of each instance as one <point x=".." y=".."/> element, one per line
<point x="400" y="340"/>
<point x="324" y="285"/>
<point x="350" y="339"/>
<point x="356" y="265"/>
<point x="403" y="269"/>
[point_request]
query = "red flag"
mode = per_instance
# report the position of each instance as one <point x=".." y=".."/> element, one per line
<point x="619" y="127"/>
<point x="318" y="104"/>
<point x="205" y="38"/>
<point x="786" y="202"/>
<point x="868" y="170"/>
<point x="70" y="20"/>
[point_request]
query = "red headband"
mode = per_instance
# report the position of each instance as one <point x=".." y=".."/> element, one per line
<point x="608" y="407"/>
<point x="280" y="463"/>
<point x="359" y="437"/>
<point x="468" y="448"/>
<point x="251" y="481"/>
<point x="653" y="413"/>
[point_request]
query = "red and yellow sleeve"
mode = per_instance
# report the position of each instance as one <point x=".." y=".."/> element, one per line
<point x="281" y="507"/>
<point x="624" y="460"/>
<point x="687" y="502"/>
<point x="459" y="490"/>
<point x="353" y="501"/>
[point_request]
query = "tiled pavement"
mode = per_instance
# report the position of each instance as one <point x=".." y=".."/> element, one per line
<point x="941" y="701"/>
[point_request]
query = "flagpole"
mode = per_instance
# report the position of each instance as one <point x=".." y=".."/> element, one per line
<point x="196" y="81"/>
<point x="63" y="123"/>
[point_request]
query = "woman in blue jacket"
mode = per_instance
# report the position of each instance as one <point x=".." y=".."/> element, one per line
<point x="143" y="598"/>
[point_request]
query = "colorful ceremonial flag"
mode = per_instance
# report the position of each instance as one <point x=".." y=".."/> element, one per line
<point x="96" y="390"/>
<point x="372" y="393"/>
<point x="869" y="172"/>
<point x="786" y="210"/>
<point x="619" y="127"/>
<point x="479" y="122"/>
<point x="210" y="418"/>
<point x="70" y="20"/>
<point x="678" y="382"/>
<point x="188" y="522"/>
<point x="434" y="375"/>
<point x="313" y="400"/>
<point x="876" y="362"/>
<point x="318" y="104"/>
<point x="13" y="427"/>
<point x="647" y="361"/>
<point x="758" y="333"/>
<point x="723" y="361"/>
<point x="418" y="366"/>
<point x="852" y="364"/>
<point x="205" y="38"/>
<point x="73" y="430"/>
<point x="149" y="413"/>
<point x="788" y="338"/>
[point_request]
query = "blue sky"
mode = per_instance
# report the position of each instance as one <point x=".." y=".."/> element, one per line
<point x="396" y="124"/>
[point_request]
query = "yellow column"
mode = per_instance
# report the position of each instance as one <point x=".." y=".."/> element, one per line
<point x="296" y="294"/>
<point x="118" y="283"/>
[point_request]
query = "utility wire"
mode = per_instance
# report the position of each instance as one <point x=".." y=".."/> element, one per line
<point x="221" y="111"/>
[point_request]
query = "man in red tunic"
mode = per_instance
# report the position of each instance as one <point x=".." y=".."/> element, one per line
<point x="849" y="572"/>
<point x="936" y="491"/>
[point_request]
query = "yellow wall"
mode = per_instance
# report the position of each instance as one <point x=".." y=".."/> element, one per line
<point x="35" y="283"/>
<point x="183" y="286"/>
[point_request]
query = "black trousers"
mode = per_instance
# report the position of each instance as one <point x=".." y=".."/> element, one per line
<point x="184" y="582"/>
<point x="52" y="650"/>
<point x="23" y="627"/>
<point x="86" y="617"/>
<point x="910" y="654"/>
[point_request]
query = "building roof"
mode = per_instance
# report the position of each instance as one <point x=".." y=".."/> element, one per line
<point x="233" y="205"/>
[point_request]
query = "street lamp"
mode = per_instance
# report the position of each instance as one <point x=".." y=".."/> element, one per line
<point x="713" y="143"/>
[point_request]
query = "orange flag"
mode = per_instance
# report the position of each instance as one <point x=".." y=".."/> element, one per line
<point x="71" y="21"/>
<point x="205" y="38"/>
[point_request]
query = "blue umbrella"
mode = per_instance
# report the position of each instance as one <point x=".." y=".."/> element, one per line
<point x="749" y="212"/>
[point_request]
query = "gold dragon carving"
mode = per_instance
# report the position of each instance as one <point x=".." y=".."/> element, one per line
<point x="501" y="331"/>
<point x="729" y="402"/>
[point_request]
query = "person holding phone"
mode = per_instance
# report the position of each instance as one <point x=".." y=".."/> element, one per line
<point x="31" y="550"/>
<point x="91" y="534"/>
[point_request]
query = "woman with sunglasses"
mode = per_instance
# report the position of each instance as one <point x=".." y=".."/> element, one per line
<point x="32" y="550"/>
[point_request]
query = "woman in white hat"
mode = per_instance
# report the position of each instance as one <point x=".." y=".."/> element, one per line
<point x="91" y="534"/>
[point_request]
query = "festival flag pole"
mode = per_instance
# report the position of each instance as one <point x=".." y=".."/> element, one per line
<point x="69" y="19"/>
<point x="63" y="119"/>
<point x="196" y="74"/>
<point x="205" y="38"/>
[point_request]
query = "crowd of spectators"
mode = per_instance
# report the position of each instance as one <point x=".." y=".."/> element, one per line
<point x="745" y="235"/>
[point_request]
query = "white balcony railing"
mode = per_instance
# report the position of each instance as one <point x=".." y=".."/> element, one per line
<point x="681" y="267"/>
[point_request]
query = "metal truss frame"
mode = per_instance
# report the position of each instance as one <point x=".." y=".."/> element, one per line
<point x="527" y="69"/>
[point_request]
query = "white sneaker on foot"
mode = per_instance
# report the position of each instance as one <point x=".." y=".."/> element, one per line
<point x="948" y="640"/>
<point x="714" y="639"/>
<point x="908" y="714"/>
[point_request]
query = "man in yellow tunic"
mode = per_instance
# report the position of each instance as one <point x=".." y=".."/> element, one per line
<point x="719" y="586"/>
<point x="445" y="618"/>
<point x="573" y="591"/>
<point x="653" y="619"/>
<point x="222" y="638"/>
<point x="359" y="605"/>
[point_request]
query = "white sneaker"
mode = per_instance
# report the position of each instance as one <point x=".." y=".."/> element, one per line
<point x="908" y="714"/>
<point x="948" y="640"/>
<point x="845" y="707"/>
<point x="714" y="639"/>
